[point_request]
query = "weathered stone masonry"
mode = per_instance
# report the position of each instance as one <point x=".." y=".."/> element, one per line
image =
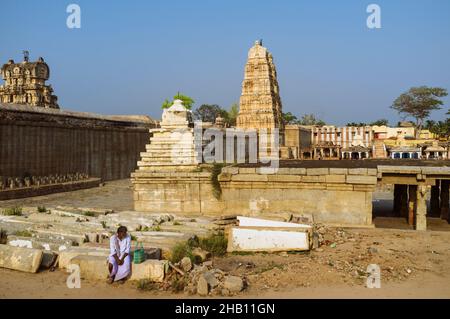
<point x="41" y="142"/>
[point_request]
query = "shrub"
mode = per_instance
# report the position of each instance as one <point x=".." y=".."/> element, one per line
<point x="216" y="189"/>
<point x="146" y="285"/>
<point x="88" y="213"/>
<point x="41" y="209"/>
<point x="23" y="233"/>
<point x="215" y="244"/>
<point x="13" y="211"/>
<point x="181" y="250"/>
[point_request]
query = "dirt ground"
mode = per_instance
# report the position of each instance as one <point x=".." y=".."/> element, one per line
<point x="413" y="264"/>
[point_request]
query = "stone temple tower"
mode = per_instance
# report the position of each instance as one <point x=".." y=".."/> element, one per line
<point x="260" y="103"/>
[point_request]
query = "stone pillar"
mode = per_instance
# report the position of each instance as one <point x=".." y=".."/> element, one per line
<point x="412" y="198"/>
<point x="445" y="200"/>
<point x="397" y="199"/>
<point x="421" y="207"/>
<point x="404" y="201"/>
<point x="435" y="210"/>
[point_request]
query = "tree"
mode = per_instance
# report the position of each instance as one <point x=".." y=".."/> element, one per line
<point x="208" y="112"/>
<point x="289" y="118"/>
<point x="231" y="115"/>
<point x="310" y="119"/>
<point x="188" y="102"/>
<point x="418" y="103"/>
<point x="380" y="122"/>
<point x="356" y="124"/>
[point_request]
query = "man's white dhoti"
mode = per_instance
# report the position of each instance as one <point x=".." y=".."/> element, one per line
<point x="120" y="248"/>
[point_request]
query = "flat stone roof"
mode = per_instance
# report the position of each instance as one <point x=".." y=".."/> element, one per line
<point x="81" y="115"/>
<point x="367" y="163"/>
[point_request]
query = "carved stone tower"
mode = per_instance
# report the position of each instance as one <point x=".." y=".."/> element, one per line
<point x="25" y="84"/>
<point x="260" y="103"/>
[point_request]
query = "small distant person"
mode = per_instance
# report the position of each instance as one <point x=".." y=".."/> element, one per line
<point x="119" y="261"/>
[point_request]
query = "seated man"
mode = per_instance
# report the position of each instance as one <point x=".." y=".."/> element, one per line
<point x="119" y="258"/>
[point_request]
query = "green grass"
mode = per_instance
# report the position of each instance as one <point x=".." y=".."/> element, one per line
<point x="23" y="233"/>
<point x="103" y="224"/>
<point x="41" y="209"/>
<point x="177" y="223"/>
<point x="147" y="285"/>
<point x="181" y="250"/>
<point x="156" y="228"/>
<point x="13" y="211"/>
<point x="215" y="244"/>
<point x="89" y="214"/>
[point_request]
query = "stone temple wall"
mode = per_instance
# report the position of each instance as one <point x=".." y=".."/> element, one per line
<point x="42" y="142"/>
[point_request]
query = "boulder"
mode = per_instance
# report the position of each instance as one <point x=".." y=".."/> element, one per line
<point x="186" y="264"/>
<point x="200" y="254"/>
<point x="202" y="286"/>
<point x="211" y="279"/>
<point x="22" y="259"/>
<point x="233" y="283"/>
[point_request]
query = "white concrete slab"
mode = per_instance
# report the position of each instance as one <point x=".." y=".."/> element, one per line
<point x="258" y="222"/>
<point x="264" y="239"/>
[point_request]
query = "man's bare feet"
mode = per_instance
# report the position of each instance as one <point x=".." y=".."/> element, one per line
<point x="110" y="280"/>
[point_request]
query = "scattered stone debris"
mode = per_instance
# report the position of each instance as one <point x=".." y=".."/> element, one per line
<point x="223" y="222"/>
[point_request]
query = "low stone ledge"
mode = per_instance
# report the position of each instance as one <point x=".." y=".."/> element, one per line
<point x="317" y="171"/>
<point x="357" y="171"/>
<point x="47" y="189"/>
<point x="96" y="268"/>
<point x="21" y="259"/>
<point x="250" y="178"/>
<point x="359" y="179"/>
<point x="335" y="179"/>
<point x="247" y="170"/>
<point x="338" y="171"/>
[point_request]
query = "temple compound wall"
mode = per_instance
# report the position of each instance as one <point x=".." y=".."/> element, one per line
<point x="332" y="195"/>
<point x="37" y="141"/>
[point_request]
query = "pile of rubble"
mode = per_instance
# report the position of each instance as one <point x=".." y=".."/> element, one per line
<point x="329" y="236"/>
<point x="203" y="279"/>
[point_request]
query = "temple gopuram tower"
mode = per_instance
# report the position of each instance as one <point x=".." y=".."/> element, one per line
<point x="260" y="103"/>
<point x="25" y="84"/>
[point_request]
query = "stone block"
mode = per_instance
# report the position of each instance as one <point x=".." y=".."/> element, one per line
<point x="91" y="267"/>
<point x="151" y="269"/>
<point x="313" y="179"/>
<point x="65" y="256"/>
<point x="231" y="170"/>
<point x="247" y="170"/>
<point x="335" y="179"/>
<point x="357" y="171"/>
<point x="372" y="171"/>
<point x="317" y="171"/>
<point x="21" y="259"/>
<point x="284" y="178"/>
<point x="297" y="171"/>
<point x="249" y="178"/>
<point x="338" y="171"/>
<point x="358" y="179"/>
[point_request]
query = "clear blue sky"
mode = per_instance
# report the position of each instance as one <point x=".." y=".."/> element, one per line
<point x="129" y="56"/>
